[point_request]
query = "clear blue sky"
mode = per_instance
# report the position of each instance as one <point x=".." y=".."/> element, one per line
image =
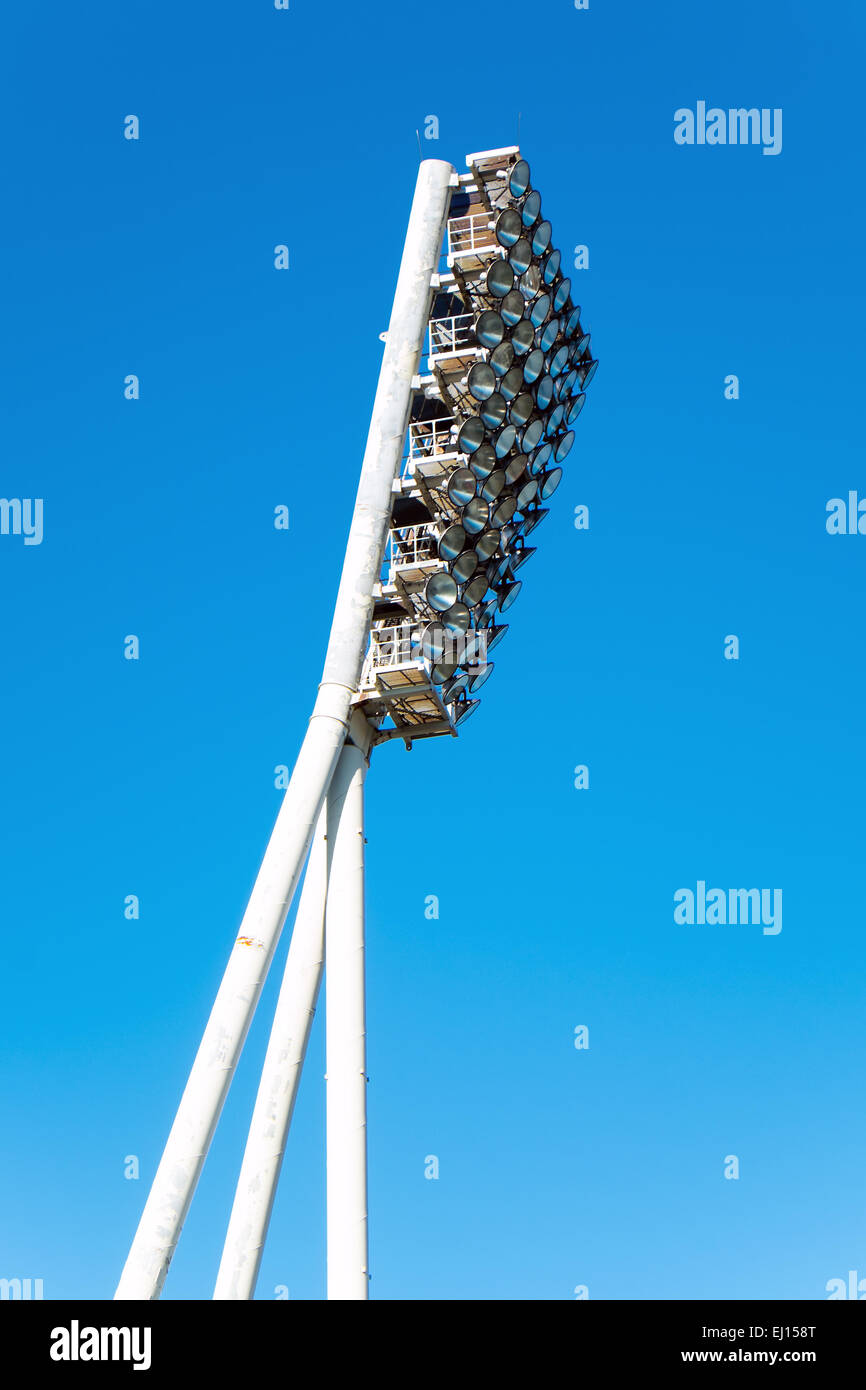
<point x="558" y="1167"/>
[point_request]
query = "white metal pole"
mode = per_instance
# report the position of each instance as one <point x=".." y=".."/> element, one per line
<point x="345" y="1025"/>
<point x="201" y="1104"/>
<point x="278" y="1088"/>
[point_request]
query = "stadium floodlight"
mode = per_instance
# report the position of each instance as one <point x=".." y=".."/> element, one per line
<point x="459" y="459"/>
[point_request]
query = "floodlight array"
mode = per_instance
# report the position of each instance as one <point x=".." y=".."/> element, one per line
<point x="510" y="362"/>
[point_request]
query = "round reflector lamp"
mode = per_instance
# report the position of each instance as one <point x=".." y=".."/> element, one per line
<point x="539" y="309"/>
<point x="433" y="641"/>
<point x="530" y="282"/>
<point x="461" y="487"/>
<point x="549" y="483"/>
<point x="456" y="618"/>
<point x="531" y="521"/>
<point x="563" y="447"/>
<point x="471" y="436"/>
<point x="523" y="337"/>
<point x="489" y="328"/>
<point x="501" y="358"/>
<point x="504" y="441"/>
<point x="457" y="684"/>
<point x="520" y="256"/>
<point x="511" y="383"/>
<point x="560" y="295"/>
<point x="492" y="486"/>
<point x="516" y="467"/>
<point x="555" y="418"/>
<point x="520" y="557"/>
<point x="492" y="411"/>
<point x="532" y="435"/>
<point x="549" y="335"/>
<point x="487" y="546"/>
<point x="550" y="267"/>
<point x="475" y="590"/>
<point x="589" y="374"/>
<point x="511" y="306"/>
<point x="475" y="517"/>
<point x="508" y="594"/>
<point x="509" y="227"/>
<point x="451" y="542"/>
<point x="559" y="361"/>
<point x="518" y="181"/>
<point x="442" y="671"/>
<point x="527" y="494"/>
<point x="541" y="238"/>
<point x="521" y="409"/>
<point x="463" y="709"/>
<point x="464" y="566"/>
<point x="529" y="212"/>
<point x="544" y="392"/>
<point x="533" y="366"/>
<point x="481" y="381"/>
<point x="441" y="591"/>
<point x="480" y="677"/>
<point x="483" y="461"/>
<point x="573" y="322"/>
<point x="500" y="279"/>
<point x="538" y="462"/>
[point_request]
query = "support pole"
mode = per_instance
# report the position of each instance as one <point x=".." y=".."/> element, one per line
<point x="278" y="1088"/>
<point x="345" y="1023"/>
<point x="201" y="1104"/>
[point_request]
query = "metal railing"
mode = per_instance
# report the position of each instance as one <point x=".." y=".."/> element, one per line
<point x="469" y="234"/>
<point x="400" y="645"/>
<point x="411" y="546"/>
<point x="430" y="437"/>
<point x="391" y="647"/>
<point x="449" y="334"/>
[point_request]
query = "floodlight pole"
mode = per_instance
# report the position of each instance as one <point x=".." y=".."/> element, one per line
<point x="296" y="1007"/>
<point x="201" y="1104"/>
<point x="278" y="1088"/>
<point x="346" y="1034"/>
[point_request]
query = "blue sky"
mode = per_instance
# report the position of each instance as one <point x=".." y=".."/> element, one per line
<point x="558" y="1167"/>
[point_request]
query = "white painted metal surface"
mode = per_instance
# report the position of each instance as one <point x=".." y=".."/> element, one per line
<point x="275" y="1102"/>
<point x="201" y="1104"/>
<point x="345" y="1024"/>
